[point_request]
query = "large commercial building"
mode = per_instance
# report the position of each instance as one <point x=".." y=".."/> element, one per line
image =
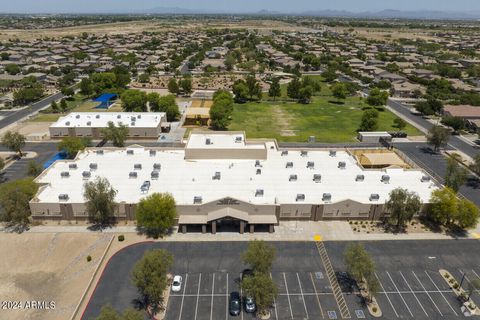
<point x="220" y="180"/>
<point x="141" y="125"/>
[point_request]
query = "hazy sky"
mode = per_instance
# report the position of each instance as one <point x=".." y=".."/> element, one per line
<point x="75" y="6"/>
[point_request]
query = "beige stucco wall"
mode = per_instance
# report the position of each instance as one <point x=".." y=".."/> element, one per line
<point x="212" y="153"/>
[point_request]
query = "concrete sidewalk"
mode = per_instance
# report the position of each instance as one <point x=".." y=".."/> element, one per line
<point x="286" y="231"/>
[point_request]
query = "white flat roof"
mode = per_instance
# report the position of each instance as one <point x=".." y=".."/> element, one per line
<point x="221" y="141"/>
<point x="186" y="179"/>
<point x="101" y="119"/>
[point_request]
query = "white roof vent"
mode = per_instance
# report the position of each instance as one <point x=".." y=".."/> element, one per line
<point x="72" y="166"/>
<point x="153" y="153"/>
<point x="284" y="153"/>
<point x="259" y="193"/>
<point x="374" y="197"/>
<point x="89" y="123"/>
<point x="257" y="164"/>
<point x="93" y="166"/>
<point x="65" y="174"/>
<point x="63" y="197"/>
<point x="259" y="172"/>
<point x="359" y="177"/>
<point x="132" y="175"/>
<point x="289" y="165"/>
<point x="310" y="165"/>
<point x="67" y="123"/>
<point x="119" y="116"/>
<point x="238" y="139"/>
<point x="300" y="197"/>
<point x="130" y="152"/>
<point x="327" y="197"/>
<point x="216" y="176"/>
<point x="426" y="179"/>
<point x="132" y="124"/>
<point x="154" y="175"/>
<point x="86" y="174"/>
<point x="137" y="166"/>
<point x="208" y="141"/>
<point x="77" y="116"/>
<point x="303" y="153"/>
<point x="293" y="177"/>
<point x="145" y="187"/>
<point x="99" y="152"/>
<point x="386" y="178"/>
<point x="342" y="165"/>
<point x="317" y="178"/>
<point x="333" y="153"/>
<point x="197" y="200"/>
<point x="97" y="116"/>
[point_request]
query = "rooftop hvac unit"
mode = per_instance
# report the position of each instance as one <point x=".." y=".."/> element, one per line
<point x="137" y="166"/>
<point x="145" y="186"/>
<point x="426" y="179"/>
<point x="157" y="166"/>
<point x="374" y="197"/>
<point x="342" y="165"/>
<point x="86" y="174"/>
<point x="317" y="178"/>
<point x="154" y="175"/>
<point x="65" y="174"/>
<point x="289" y="165"/>
<point x="100" y="152"/>
<point x="197" y="200"/>
<point x="72" y="166"/>
<point x="89" y="123"/>
<point x="130" y="152"/>
<point x="67" y="123"/>
<point x="132" y="175"/>
<point x="259" y="193"/>
<point x="63" y="197"/>
<point x="327" y="197"/>
<point x="257" y="164"/>
<point x="153" y="153"/>
<point x="359" y="177"/>
<point x="311" y="139"/>
<point x="300" y="197"/>
<point x="333" y="153"/>
<point x="97" y="116"/>
<point x="284" y="153"/>
<point x="303" y="153"/>
<point x="385" y="178"/>
<point x="132" y="124"/>
<point x="293" y="177"/>
<point x="208" y="141"/>
<point x="133" y="119"/>
<point x="238" y="139"/>
<point x="77" y="116"/>
<point x="259" y="172"/>
<point x="119" y="116"/>
<point x="216" y="176"/>
<point x="310" y="165"/>
<point x="139" y="116"/>
<point x="93" y="166"/>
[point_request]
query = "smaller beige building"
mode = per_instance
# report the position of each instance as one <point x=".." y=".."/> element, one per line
<point x="141" y="125"/>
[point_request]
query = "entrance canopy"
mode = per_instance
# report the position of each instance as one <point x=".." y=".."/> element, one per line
<point x="227" y="212"/>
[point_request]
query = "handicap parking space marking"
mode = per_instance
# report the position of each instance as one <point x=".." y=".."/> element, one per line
<point x="332" y="315"/>
<point x="386" y="294"/>
<point x="444" y="298"/>
<point x="288" y="296"/>
<point x="183" y="296"/>
<point x="360" y="314"/>
<point x="401" y="296"/>
<point x="428" y="294"/>
<point x="413" y="293"/>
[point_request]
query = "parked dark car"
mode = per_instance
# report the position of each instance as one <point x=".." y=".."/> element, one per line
<point x="249" y="304"/>
<point x="235" y="304"/>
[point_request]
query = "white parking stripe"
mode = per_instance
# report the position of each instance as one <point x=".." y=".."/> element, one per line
<point x="288" y="296"/>
<point x="444" y="298"/>
<point x="476" y="275"/>
<point x="386" y="295"/>
<point x="303" y="298"/>
<point x="198" y="294"/>
<point x="211" y="303"/>
<point x="316" y="295"/>
<point x="226" y="300"/>
<point x="408" y="285"/>
<point x="274" y="302"/>
<point x="428" y="294"/>
<point x="396" y="288"/>
<point x="183" y="296"/>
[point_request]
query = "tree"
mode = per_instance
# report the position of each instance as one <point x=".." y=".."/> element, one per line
<point x="134" y="100"/>
<point x="150" y="277"/>
<point x="438" y="137"/>
<point x="63" y="105"/>
<point x="377" y="97"/>
<point x="116" y="134"/>
<point x="153" y="101"/>
<point x="443" y="205"/>
<point x="259" y="255"/>
<point x="169" y="105"/>
<point x="86" y="87"/>
<point x="339" y="91"/>
<point x="402" y="206"/>
<point x="467" y="214"/>
<point x="54" y="106"/>
<point x="399" y="123"/>
<point x="456" y="123"/>
<point x="254" y="88"/>
<point x="67" y="91"/>
<point x="156" y="213"/>
<point x="456" y="175"/>
<point x="31" y="90"/>
<point x="173" y="86"/>
<point x="100" y="201"/>
<point x="429" y="107"/>
<point x="262" y="288"/>
<point x="2" y="164"/>
<point x="14" y="201"/>
<point x="144" y="78"/>
<point x="108" y="313"/>
<point x="33" y="169"/>
<point x="12" y="69"/>
<point x="305" y="94"/>
<point x="275" y="90"/>
<point x="240" y="91"/>
<point x="293" y="88"/>
<point x="72" y="145"/>
<point x="330" y="74"/>
<point x="475" y="166"/>
<point x="186" y="85"/>
<point x="369" y="120"/>
<point x="361" y="267"/>
<point x="14" y="141"/>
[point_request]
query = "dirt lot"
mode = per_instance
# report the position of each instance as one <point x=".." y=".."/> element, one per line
<point x="47" y="267"/>
<point x="385" y="34"/>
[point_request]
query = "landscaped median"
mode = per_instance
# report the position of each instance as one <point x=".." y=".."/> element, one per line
<point x="461" y="294"/>
<point x="371" y="301"/>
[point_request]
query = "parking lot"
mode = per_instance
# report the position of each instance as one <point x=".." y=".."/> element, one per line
<point x="411" y="286"/>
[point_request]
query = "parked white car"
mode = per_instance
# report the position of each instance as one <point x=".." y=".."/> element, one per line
<point x="177" y="283"/>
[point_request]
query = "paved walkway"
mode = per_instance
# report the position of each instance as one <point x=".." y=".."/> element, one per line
<point x="286" y="231"/>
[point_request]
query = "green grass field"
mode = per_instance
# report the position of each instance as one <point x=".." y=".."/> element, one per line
<point x="292" y="122"/>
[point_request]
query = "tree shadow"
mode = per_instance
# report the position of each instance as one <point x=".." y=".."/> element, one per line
<point x="102" y="226"/>
<point x="154" y="233"/>
<point x="473" y="182"/>
<point x="428" y="150"/>
<point x="430" y="225"/>
<point x="16" y="228"/>
<point x="457" y="232"/>
<point x="336" y="102"/>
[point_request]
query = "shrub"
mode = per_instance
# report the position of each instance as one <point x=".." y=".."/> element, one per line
<point x="456" y="286"/>
<point x="121" y="237"/>
<point x="447" y="276"/>
<point x="374" y="309"/>
<point x="89" y="258"/>
<point x="452" y="281"/>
